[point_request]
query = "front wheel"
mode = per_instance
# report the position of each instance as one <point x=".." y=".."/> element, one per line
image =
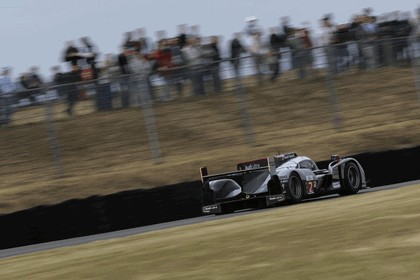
<point x="294" y="189"/>
<point x="352" y="181"/>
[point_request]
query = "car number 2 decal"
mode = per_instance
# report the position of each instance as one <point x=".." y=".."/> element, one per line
<point x="310" y="186"/>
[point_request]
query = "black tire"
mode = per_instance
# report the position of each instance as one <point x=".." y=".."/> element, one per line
<point x="352" y="181"/>
<point x="294" y="189"/>
<point x="274" y="186"/>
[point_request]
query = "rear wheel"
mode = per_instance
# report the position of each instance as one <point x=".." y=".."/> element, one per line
<point x="352" y="181"/>
<point x="294" y="188"/>
<point x="274" y="186"/>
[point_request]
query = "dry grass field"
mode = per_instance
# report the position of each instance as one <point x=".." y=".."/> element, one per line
<point x="366" y="236"/>
<point x="108" y="152"/>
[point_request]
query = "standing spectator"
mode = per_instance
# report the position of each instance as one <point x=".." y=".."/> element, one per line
<point x="415" y="36"/>
<point x="286" y="32"/>
<point x="7" y="95"/>
<point x="146" y="44"/>
<point x="215" y="66"/>
<point x="140" y="68"/>
<point x="193" y="60"/>
<point x="124" y="78"/>
<point x="252" y="27"/>
<point x="286" y="29"/>
<point x="368" y="35"/>
<point x="71" y="87"/>
<point x="182" y="35"/>
<point x="163" y="58"/>
<point x="57" y="80"/>
<point x="297" y="46"/>
<point x="128" y="42"/>
<point x="146" y="48"/>
<point x="254" y="32"/>
<point x="89" y="53"/>
<point x="327" y="41"/>
<point x="104" y="95"/>
<point x="274" y="54"/>
<point x="183" y="72"/>
<point x="308" y="45"/>
<point x="87" y="66"/>
<point x="57" y="75"/>
<point x="178" y="71"/>
<point x="71" y="54"/>
<point x="32" y="82"/>
<point x="257" y="52"/>
<point x="342" y="44"/>
<point x="236" y="49"/>
<point x="211" y="61"/>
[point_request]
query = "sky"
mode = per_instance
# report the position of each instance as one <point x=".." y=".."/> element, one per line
<point x="34" y="32"/>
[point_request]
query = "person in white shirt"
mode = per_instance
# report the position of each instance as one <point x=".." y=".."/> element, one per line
<point x="254" y="45"/>
<point x="192" y="55"/>
<point x="140" y="67"/>
<point x="7" y="95"/>
<point x="327" y="40"/>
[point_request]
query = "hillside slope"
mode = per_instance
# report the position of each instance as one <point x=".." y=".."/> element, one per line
<point x="107" y="152"/>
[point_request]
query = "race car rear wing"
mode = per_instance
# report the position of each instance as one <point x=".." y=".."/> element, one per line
<point x="258" y="163"/>
<point x="270" y="163"/>
<point x="205" y="176"/>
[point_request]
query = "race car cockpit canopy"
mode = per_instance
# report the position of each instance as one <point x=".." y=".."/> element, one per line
<point x="282" y="158"/>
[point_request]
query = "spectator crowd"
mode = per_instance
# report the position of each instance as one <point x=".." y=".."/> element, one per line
<point x="367" y="41"/>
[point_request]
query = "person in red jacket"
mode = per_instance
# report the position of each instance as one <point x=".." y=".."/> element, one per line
<point x="164" y="65"/>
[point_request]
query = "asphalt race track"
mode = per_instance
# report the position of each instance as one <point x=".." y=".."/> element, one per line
<point x="124" y="233"/>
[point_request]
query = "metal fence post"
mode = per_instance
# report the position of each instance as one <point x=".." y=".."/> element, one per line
<point x="331" y="88"/>
<point x="243" y="110"/>
<point x="52" y="135"/>
<point x="150" y="120"/>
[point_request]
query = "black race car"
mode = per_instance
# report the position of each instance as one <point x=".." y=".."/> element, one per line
<point x="276" y="179"/>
